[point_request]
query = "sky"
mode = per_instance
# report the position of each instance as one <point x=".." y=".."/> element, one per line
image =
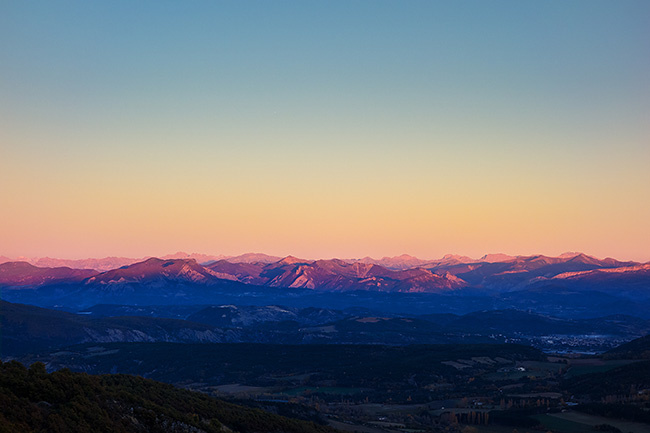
<point x="325" y="129"/>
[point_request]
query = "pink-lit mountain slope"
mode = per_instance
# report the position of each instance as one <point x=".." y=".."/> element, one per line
<point x="100" y="265"/>
<point x="157" y="270"/>
<point x="24" y="274"/>
<point x="638" y="269"/>
<point x="254" y="258"/>
<point x="109" y="263"/>
<point x="519" y="271"/>
<point x="338" y="275"/>
<point x="406" y="261"/>
<point x="496" y="272"/>
<point x="248" y="273"/>
<point x="398" y="262"/>
<point x="496" y="257"/>
<point x="200" y="258"/>
<point x="628" y="280"/>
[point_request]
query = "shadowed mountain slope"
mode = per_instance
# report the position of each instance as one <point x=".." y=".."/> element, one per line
<point x="635" y="349"/>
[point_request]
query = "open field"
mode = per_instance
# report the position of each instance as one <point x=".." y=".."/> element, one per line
<point x="579" y="367"/>
<point x="323" y="390"/>
<point x="237" y="388"/>
<point x="523" y="369"/>
<point x="562" y="425"/>
<point x="349" y="427"/>
<point x="577" y="422"/>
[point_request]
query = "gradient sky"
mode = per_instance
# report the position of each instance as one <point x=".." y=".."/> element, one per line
<point x="325" y="129"/>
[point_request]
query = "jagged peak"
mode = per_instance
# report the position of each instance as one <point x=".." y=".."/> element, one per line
<point x="584" y="257"/>
<point x="291" y="260"/>
<point x="570" y="254"/>
<point x="496" y="257"/>
<point x="253" y="258"/>
<point x="401" y="257"/>
<point x="157" y="260"/>
<point x="177" y="255"/>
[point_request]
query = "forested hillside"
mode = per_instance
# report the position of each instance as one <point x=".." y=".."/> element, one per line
<point x="32" y="400"/>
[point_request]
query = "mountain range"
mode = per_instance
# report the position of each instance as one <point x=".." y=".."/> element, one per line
<point x="287" y="325"/>
<point x="549" y="285"/>
<point x="109" y="263"/>
<point x="402" y="274"/>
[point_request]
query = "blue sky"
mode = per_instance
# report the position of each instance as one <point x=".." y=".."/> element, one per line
<point x="510" y="126"/>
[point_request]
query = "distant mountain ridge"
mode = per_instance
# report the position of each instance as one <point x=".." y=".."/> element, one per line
<point x="25" y="274"/>
<point x="100" y="265"/>
<point x="289" y="272"/>
<point x="154" y="270"/>
<point x="401" y="262"/>
<point x="401" y="274"/>
<point x="337" y="275"/>
<point x="110" y="263"/>
<point x="549" y="282"/>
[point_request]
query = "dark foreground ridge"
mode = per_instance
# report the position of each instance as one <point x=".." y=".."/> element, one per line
<point x="32" y="400"/>
<point x="370" y="373"/>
